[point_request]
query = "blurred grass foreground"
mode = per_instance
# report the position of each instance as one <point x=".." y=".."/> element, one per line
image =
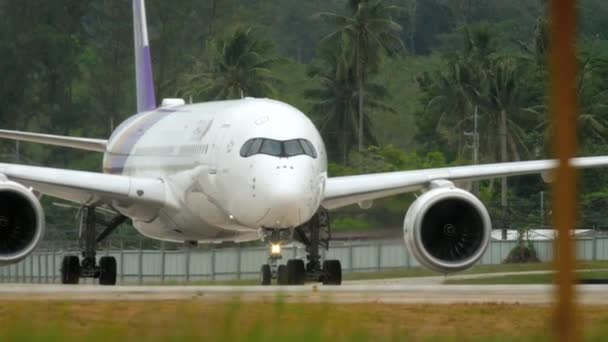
<point x="280" y="321"/>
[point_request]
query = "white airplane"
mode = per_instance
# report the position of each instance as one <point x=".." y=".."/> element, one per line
<point x="239" y="170"/>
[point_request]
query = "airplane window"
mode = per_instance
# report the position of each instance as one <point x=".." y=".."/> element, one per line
<point x="293" y="148"/>
<point x="271" y="147"/>
<point x="309" y="149"/>
<point x="246" y="146"/>
<point x="284" y="149"/>
<point x="255" y="147"/>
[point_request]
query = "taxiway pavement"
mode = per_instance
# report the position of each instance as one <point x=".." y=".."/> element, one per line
<point x="396" y="294"/>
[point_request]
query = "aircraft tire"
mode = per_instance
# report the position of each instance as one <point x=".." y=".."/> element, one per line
<point x="265" y="275"/>
<point x="107" y="275"/>
<point x="70" y="270"/>
<point x="296" y="273"/>
<point x="333" y="272"/>
<point x="282" y="275"/>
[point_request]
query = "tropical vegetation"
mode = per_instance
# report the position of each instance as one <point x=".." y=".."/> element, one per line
<point x="391" y="84"/>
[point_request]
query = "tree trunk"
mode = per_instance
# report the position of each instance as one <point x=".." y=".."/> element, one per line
<point x="360" y="114"/>
<point x="299" y="54"/>
<point x="344" y="147"/>
<point x="212" y="19"/>
<point x="503" y="158"/>
<point x="412" y="33"/>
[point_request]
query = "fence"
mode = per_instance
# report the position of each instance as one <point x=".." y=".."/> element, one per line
<point x="191" y="265"/>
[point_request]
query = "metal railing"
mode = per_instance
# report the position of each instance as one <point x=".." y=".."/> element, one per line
<point x="143" y="266"/>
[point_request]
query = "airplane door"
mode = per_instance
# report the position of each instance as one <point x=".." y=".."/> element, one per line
<point x="219" y="149"/>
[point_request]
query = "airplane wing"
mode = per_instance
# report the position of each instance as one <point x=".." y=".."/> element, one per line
<point x="88" y="187"/>
<point x="347" y="190"/>
<point x="97" y="145"/>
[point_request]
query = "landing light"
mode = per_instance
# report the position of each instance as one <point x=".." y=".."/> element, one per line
<point x="275" y="249"/>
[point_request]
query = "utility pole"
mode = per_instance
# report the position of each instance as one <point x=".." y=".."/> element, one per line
<point x="17" y="152"/>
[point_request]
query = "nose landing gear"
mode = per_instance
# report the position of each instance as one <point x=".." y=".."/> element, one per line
<point x="272" y="270"/>
<point x="314" y="235"/>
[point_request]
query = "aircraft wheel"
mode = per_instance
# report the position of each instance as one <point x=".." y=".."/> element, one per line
<point x="107" y="275"/>
<point x="296" y="273"/>
<point x="265" y="275"/>
<point x="333" y="272"/>
<point x="282" y="275"/>
<point x="70" y="270"/>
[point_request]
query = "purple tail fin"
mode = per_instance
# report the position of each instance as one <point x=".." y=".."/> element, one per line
<point x="146" y="100"/>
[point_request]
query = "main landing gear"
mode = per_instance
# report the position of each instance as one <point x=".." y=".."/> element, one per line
<point x="314" y="234"/>
<point x="72" y="268"/>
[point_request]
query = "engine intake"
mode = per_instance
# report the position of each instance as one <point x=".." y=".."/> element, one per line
<point x="447" y="229"/>
<point x="22" y="223"/>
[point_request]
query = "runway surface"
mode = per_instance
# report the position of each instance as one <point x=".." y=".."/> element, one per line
<point x="397" y="294"/>
<point x="437" y="280"/>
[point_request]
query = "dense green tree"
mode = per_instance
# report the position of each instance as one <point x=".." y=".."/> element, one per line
<point x="178" y="34"/>
<point x="424" y="21"/>
<point x="106" y="61"/>
<point x="41" y="45"/>
<point x="335" y="100"/>
<point x="494" y="85"/>
<point x="67" y="68"/>
<point x="448" y="103"/>
<point x="241" y="66"/>
<point x="366" y="36"/>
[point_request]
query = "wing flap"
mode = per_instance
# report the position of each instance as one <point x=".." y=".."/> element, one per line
<point x="88" y="144"/>
<point x="348" y="190"/>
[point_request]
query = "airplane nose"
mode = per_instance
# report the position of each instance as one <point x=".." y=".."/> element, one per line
<point x="286" y="201"/>
<point x="287" y="197"/>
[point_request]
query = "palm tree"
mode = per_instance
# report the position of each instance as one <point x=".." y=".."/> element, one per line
<point x="501" y="92"/>
<point x="592" y="94"/>
<point x="335" y="101"/>
<point x="366" y="37"/>
<point x="498" y="85"/>
<point x="241" y="66"/>
<point x="504" y="96"/>
<point x="448" y="98"/>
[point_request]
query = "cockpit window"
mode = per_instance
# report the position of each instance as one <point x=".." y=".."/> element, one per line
<point x="309" y="149"/>
<point x="292" y="148"/>
<point x="283" y="149"/>
<point x="271" y="147"/>
<point x="255" y="146"/>
<point x="246" y="146"/>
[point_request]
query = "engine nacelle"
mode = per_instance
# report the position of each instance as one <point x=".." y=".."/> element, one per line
<point x="447" y="229"/>
<point x="22" y="223"/>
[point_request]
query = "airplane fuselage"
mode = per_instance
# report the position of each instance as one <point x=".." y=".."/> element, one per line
<point x="233" y="167"/>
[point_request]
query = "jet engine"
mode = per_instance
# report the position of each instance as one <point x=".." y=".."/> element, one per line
<point x="22" y="223"/>
<point x="447" y="229"/>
